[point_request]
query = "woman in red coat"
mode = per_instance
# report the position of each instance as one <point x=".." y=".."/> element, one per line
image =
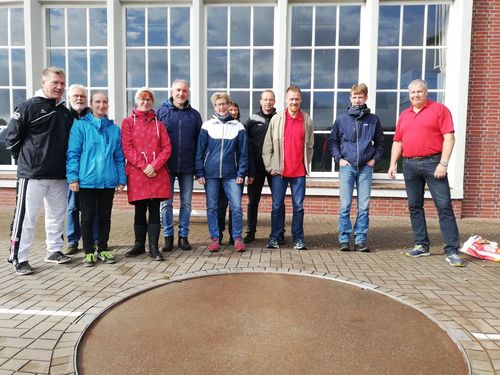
<point x="146" y="147"/>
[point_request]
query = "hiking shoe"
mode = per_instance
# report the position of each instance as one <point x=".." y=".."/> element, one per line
<point x="184" y="244"/>
<point x="272" y="244"/>
<point x="418" y="251"/>
<point x="214" y="245"/>
<point x="71" y="249"/>
<point x="137" y="249"/>
<point x="239" y="246"/>
<point x="249" y="237"/>
<point x="455" y="260"/>
<point x="362" y="248"/>
<point x="90" y="259"/>
<point x="299" y="245"/>
<point x="281" y="239"/>
<point x="344" y="246"/>
<point x="106" y="257"/>
<point x="23" y="268"/>
<point x="58" y="258"/>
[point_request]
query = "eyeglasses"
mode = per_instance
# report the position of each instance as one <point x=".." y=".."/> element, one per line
<point x="225" y="104"/>
<point x="145" y="99"/>
<point x="78" y="96"/>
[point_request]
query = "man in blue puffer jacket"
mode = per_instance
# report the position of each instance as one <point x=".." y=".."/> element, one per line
<point x="356" y="143"/>
<point x="183" y="124"/>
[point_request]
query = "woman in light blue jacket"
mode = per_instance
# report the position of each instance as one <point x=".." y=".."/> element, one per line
<point x="95" y="167"/>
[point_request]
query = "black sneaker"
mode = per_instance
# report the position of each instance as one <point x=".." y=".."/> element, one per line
<point x="249" y="237"/>
<point x="272" y="244"/>
<point x="281" y="239"/>
<point x="362" y="248"/>
<point x="57" y="257"/>
<point x="23" y="268"/>
<point x="344" y="246"/>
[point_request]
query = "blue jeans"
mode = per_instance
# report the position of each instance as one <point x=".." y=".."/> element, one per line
<point x="361" y="178"/>
<point x="73" y="231"/>
<point x="278" y="192"/>
<point x="167" y="210"/>
<point x="233" y="194"/>
<point x="418" y="172"/>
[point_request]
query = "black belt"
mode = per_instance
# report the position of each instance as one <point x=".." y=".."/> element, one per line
<point x="422" y="157"/>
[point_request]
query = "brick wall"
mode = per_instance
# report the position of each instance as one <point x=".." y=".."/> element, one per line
<point x="482" y="154"/>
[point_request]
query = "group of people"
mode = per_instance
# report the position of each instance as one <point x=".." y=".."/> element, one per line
<point x="80" y="147"/>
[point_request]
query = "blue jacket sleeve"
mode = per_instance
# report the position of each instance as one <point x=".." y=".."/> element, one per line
<point x="74" y="152"/>
<point x="334" y="142"/>
<point x="200" y="154"/>
<point x="120" y="160"/>
<point x="243" y="154"/>
<point x="378" y="142"/>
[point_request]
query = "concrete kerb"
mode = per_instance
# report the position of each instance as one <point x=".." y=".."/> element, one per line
<point x="410" y="302"/>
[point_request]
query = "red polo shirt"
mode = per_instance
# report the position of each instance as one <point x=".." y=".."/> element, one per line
<point x="421" y="134"/>
<point x="294" y="146"/>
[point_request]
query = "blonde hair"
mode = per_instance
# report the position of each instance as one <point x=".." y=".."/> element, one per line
<point x="219" y="95"/>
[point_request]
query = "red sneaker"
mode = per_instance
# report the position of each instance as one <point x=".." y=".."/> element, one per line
<point x="214" y="245"/>
<point x="239" y="246"/>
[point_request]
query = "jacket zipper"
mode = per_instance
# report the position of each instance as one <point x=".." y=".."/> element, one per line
<point x="221" y="151"/>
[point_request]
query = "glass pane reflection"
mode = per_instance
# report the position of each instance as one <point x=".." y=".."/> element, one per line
<point x="5" y="110"/>
<point x="324" y="69"/>
<point x="306" y="102"/>
<point x="217" y="68"/>
<point x="240" y="26"/>
<point x="413" y="25"/>
<point x="180" y="64"/>
<point x="179" y="26"/>
<point x="411" y="66"/>
<point x="301" y="68"/>
<point x="387" y="69"/>
<point x="326" y="18"/>
<point x="77" y="27"/>
<point x="262" y="68"/>
<point x="56" y="27"/>
<point x="19" y="72"/>
<point x="323" y="110"/>
<point x="322" y="160"/>
<point x="157" y="27"/>
<point x="77" y="67"/>
<point x="388" y="28"/>
<point x="98" y="68"/>
<point x="302" y="26"/>
<point x="158" y="68"/>
<point x="136" y="76"/>
<point x="18" y="96"/>
<point x="57" y="58"/>
<point x="4" y="68"/>
<point x="240" y="68"/>
<point x="135" y="27"/>
<point x="343" y="101"/>
<point x="3" y="27"/>
<point x="434" y="71"/>
<point x="263" y="26"/>
<point x="17" y="26"/>
<point x="349" y="25"/>
<point x="98" y="32"/>
<point x="387" y="109"/>
<point x="348" y="68"/>
<point x="242" y="98"/>
<point x="437" y="23"/>
<point x="217" y="26"/>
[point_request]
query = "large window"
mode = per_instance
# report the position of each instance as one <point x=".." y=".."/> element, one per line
<point x="158" y="46"/>
<point x="240" y="42"/>
<point x="324" y="63"/>
<point x="12" y="70"/>
<point x="411" y="44"/>
<point x="77" y="41"/>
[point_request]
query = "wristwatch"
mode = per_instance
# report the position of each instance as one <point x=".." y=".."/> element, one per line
<point x="444" y="163"/>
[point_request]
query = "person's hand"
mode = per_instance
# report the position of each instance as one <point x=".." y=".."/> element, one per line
<point x="440" y="171"/>
<point x="120" y="188"/>
<point x="149" y="171"/>
<point x="240" y="180"/>
<point x="201" y="180"/>
<point x="392" y="171"/>
<point x="74" y="186"/>
<point x="371" y="163"/>
<point x="273" y="173"/>
<point x="343" y="163"/>
<point x="250" y="180"/>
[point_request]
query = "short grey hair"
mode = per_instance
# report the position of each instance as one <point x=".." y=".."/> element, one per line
<point x="75" y="86"/>
<point x="418" y="82"/>
<point x="180" y="81"/>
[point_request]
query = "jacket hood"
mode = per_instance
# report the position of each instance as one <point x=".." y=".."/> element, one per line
<point x="358" y="110"/>
<point x="41" y="94"/>
<point x="98" y="122"/>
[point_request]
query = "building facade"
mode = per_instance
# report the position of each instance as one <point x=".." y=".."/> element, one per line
<point x="323" y="47"/>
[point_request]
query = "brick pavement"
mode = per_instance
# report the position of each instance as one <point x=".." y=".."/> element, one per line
<point x="43" y="315"/>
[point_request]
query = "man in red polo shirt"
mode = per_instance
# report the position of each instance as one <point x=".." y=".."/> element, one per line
<point x="425" y="138"/>
<point x="287" y="153"/>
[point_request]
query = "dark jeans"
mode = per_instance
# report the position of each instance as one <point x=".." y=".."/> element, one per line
<point x="221" y="213"/>
<point x="298" y="189"/>
<point x="418" y="172"/>
<point x="142" y="207"/>
<point x="92" y="200"/>
<point x="254" y="194"/>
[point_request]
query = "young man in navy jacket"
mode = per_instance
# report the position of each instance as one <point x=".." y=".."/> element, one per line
<point x="356" y="143"/>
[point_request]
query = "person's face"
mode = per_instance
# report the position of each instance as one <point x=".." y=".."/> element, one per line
<point x="358" y="99"/>
<point x="78" y="99"/>
<point x="99" y="105"/>
<point x="418" y="95"/>
<point x="233" y="110"/>
<point x="53" y="85"/>
<point x="293" y="101"/>
<point x="180" y="93"/>
<point x="221" y="107"/>
<point x="267" y="102"/>
<point x="144" y="101"/>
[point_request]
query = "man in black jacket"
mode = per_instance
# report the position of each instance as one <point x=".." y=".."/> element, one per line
<point x="37" y="137"/>
<point x="256" y="128"/>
